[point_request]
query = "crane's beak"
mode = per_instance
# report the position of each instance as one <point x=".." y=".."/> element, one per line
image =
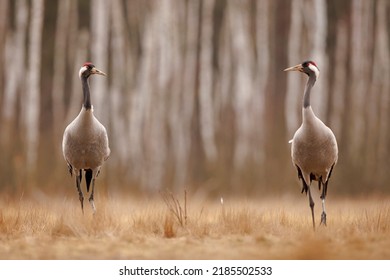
<point x="295" y="68"/>
<point x="97" y="71"/>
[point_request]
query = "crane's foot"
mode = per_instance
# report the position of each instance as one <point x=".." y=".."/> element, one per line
<point x="92" y="204"/>
<point x="323" y="218"/>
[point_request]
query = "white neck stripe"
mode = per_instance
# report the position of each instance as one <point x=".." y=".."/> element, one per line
<point x="82" y="69"/>
<point x="315" y="70"/>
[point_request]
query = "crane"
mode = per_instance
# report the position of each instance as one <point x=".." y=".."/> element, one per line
<point x="85" y="141"/>
<point x="314" y="150"/>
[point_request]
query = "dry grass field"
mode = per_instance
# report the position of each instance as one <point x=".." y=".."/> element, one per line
<point x="126" y="228"/>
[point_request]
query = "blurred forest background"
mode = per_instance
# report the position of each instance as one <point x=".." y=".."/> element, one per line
<point x="195" y="95"/>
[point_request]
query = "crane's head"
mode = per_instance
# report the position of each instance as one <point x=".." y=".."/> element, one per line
<point x="89" y="69"/>
<point x="309" y="67"/>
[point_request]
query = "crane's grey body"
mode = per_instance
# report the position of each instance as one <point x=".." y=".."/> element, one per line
<point x="314" y="149"/>
<point x="85" y="141"/>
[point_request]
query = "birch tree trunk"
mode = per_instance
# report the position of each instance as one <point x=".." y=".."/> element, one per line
<point x="263" y="60"/>
<point x="243" y="90"/>
<point x="276" y="145"/>
<point x="118" y="89"/>
<point x="206" y="103"/>
<point x="60" y="47"/>
<point x="32" y="98"/>
<point x="100" y="11"/>
<point x="180" y="106"/>
<point x="293" y="105"/>
<point x="362" y="25"/>
<point x="339" y="86"/>
<point x="318" y="54"/>
<point x="14" y="58"/>
<point x="383" y="37"/>
<point x="381" y="90"/>
<point x="3" y="33"/>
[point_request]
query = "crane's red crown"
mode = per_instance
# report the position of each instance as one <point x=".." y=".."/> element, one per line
<point x="88" y="64"/>
<point x="308" y="62"/>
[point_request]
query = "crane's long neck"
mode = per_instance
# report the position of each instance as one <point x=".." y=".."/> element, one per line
<point x="308" y="87"/>
<point x="87" y="97"/>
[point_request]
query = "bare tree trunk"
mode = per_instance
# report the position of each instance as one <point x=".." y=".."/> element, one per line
<point x="141" y="105"/>
<point x="3" y="34"/>
<point x="198" y="161"/>
<point x="293" y="105"/>
<point x="347" y="115"/>
<point x="224" y="77"/>
<point x="73" y="37"/>
<point x="118" y="89"/>
<point x="14" y="58"/>
<point x="381" y="86"/>
<point x="263" y="60"/>
<point x="361" y="59"/>
<point x="180" y="106"/>
<point x="32" y="98"/>
<point x="59" y="78"/>
<point x="276" y="145"/>
<point x="244" y="87"/>
<point x="206" y="103"/>
<point x="339" y="87"/>
<point x="100" y="11"/>
<point x="159" y="91"/>
<point x="318" y="54"/>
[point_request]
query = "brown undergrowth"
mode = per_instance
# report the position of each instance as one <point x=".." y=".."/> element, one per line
<point x="127" y="228"/>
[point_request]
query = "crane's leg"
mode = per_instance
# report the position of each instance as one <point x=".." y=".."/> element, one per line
<point x="81" y="196"/>
<point x="91" y="197"/>
<point x="306" y="189"/>
<point x="311" y="203"/>
<point x="323" y="196"/>
<point x="323" y="215"/>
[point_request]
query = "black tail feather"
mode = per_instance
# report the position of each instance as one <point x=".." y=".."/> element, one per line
<point x="300" y="177"/>
<point x="81" y="175"/>
<point x="88" y="178"/>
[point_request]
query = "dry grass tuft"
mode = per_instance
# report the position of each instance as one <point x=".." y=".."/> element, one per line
<point x="175" y="207"/>
<point x="239" y="220"/>
<point x="158" y="228"/>
<point x="168" y="227"/>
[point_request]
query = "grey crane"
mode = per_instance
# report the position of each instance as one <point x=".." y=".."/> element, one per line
<point x="314" y="149"/>
<point x="85" y="141"/>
